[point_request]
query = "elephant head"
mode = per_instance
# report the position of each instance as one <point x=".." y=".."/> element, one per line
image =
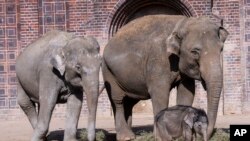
<point x="197" y="120"/>
<point x="78" y="64"/>
<point x="198" y="43"/>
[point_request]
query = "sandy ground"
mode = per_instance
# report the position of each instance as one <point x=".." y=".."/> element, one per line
<point x="20" y="130"/>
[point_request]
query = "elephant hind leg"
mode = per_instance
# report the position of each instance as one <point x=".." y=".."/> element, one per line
<point x="160" y="132"/>
<point x="27" y="106"/>
<point x="116" y="96"/>
<point x="123" y="130"/>
<point x="129" y="103"/>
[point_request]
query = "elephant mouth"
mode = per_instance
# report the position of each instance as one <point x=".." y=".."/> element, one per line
<point x="76" y="82"/>
<point x="195" y="73"/>
<point x="191" y="71"/>
<point x="197" y="77"/>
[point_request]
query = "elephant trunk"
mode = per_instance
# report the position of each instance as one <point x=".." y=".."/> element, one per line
<point x="92" y="94"/>
<point x="213" y="80"/>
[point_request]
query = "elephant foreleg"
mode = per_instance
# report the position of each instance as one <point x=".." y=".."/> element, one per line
<point x="74" y="105"/>
<point x="159" y="92"/>
<point x="48" y="94"/>
<point x="27" y="106"/>
<point x="44" y="117"/>
<point x="187" y="134"/>
<point x="186" y="91"/>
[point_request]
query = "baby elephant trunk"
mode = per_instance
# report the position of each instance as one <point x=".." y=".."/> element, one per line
<point x="205" y="135"/>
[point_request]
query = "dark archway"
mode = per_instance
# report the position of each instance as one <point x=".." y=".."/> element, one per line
<point x="132" y="9"/>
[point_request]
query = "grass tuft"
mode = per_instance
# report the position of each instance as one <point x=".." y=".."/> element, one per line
<point x="221" y="135"/>
<point x="142" y="135"/>
<point x="100" y="135"/>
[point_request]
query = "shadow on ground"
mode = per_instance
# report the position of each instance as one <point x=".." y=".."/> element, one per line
<point x="143" y="133"/>
<point x="59" y="134"/>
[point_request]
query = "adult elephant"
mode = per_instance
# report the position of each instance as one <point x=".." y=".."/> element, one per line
<point x="58" y="68"/>
<point x="151" y="55"/>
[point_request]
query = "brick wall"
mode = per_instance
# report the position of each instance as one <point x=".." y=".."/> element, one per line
<point x="22" y="21"/>
<point x="245" y="53"/>
<point x="9" y="49"/>
<point x="229" y="11"/>
<point x="28" y="21"/>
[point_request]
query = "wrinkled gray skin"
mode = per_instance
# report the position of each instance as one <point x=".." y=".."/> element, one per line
<point x="151" y="55"/>
<point x="58" y="68"/>
<point x="179" y="120"/>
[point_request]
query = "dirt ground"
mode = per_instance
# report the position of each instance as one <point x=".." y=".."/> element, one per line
<point x="20" y="130"/>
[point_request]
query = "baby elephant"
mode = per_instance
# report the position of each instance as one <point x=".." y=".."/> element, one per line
<point x="179" y="120"/>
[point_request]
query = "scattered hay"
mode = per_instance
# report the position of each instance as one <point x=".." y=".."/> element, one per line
<point x="144" y="136"/>
<point x="100" y="135"/>
<point x="141" y="135"/>
<point x="221" y="135"/>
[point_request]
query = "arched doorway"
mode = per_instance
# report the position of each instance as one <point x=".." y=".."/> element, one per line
<point x="132" y="9"/>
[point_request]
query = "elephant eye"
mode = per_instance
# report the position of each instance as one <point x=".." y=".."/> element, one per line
<point x="196" y="52"/>
<point x="78" y="67"/>
<point x="199" y="124"/>
<point x="177" y="35"/>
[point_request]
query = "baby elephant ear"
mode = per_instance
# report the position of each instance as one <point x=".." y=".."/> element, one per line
<point x="58" y="63"/>
<point x="189" y="119"/>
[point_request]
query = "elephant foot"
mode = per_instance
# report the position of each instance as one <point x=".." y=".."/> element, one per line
<point x="125" y="135"/>
<point x="40" y="139"/>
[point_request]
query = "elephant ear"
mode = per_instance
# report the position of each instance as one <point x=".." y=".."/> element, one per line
<point x="58" y="62"/>
<point x="173" y="42"/>
<point x="223" y="33"/>
<point x="189" y="119"/>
